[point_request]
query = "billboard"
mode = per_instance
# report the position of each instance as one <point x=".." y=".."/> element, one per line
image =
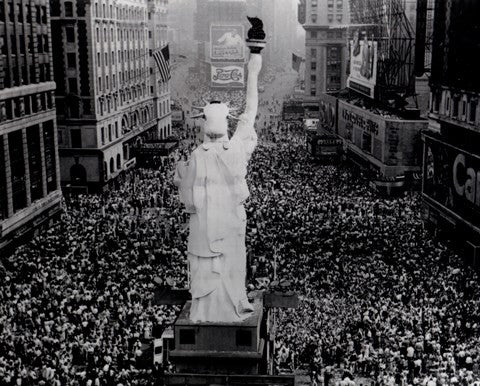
<point x="363" y="66"/>
<point x="451" y="178"/>
<point x="328" y="112"/>
<point x="227" y="43"/>
<point x="227" y="75"/>
<point x="363" y="128"/>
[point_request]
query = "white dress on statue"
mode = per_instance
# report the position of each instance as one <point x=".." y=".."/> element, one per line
<point x="213" y="188"/>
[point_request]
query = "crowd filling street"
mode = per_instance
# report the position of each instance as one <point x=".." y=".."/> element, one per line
<point x="382" y="301"/>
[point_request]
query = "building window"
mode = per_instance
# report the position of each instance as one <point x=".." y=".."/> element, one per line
<point x="187" y="336"/>
<point x="70" y="32"/>
<point x="313" y="78"/>
<point x="313" y="51"/>
<point x="455" y="103"/>
<point x="314" y="18"/>
<point x="112" y="165"/>
<point x="367" y="142"/>
<point x="17" y="169"/>
<point x="313" y="34"/>
<point x="76" y="138"/>
<point x="243" y="338"/>
<point x="473" y="111"/>
<point x="68" y="9"/>
<point x="72" y="85"/>
<point x="313" y="91"/>
<point x="313" y="66"/>
<point x="119" y="161"/>
<point x="71" y="60"/>
<point x="102" y="135"/>
<point x="39" y="43"/>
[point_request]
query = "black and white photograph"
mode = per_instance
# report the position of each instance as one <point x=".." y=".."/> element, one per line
<point x="240" y="192"/>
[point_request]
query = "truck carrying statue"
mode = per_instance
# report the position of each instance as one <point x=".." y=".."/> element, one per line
<point x="213" y="188"/>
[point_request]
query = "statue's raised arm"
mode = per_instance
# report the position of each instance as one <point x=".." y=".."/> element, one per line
<point x="245" y="128"/>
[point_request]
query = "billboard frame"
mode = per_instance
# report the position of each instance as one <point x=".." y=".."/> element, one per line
<point x="227" y="26"/>
<point x="364" y="69"/>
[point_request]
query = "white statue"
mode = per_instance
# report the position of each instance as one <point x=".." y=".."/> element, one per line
<point x="213" y="188"/>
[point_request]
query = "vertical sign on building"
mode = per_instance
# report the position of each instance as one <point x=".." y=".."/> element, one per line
<point x="227" y="55"/>
<point x="363" y="65"/>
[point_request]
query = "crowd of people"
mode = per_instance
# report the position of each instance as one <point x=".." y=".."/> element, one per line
<point x="381" y="300"/>
<point x="76" y="303"/>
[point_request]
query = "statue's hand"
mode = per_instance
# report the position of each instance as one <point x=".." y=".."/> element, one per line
<point x="254" y="64"/>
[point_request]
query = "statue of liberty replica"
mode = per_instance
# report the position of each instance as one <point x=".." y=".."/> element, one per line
<point x="213" y="188"/>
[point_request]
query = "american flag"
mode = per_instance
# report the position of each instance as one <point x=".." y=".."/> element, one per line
<point x="162" y="57"/>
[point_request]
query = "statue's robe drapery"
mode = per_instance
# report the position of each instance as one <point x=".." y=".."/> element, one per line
<point x="213" y="189"/>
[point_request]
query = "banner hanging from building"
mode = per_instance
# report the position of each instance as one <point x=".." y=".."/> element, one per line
<point x="451" y="178"/>
<point x="227" y="75"/>
<point x="296" y="62"/>
<point x="363" y="66"/>
<point x="227" y="43"/>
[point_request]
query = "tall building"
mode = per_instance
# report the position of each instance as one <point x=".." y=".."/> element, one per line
<point x="108" y="96"/>
<point x="451" y="164"/>
<point x="181" y="27"/>
<point x="29" y="169"/>
<point x="326" y="50"/>
<point x="157" y="38"/>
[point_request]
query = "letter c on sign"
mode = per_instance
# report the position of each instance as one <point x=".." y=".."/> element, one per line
<point x="460" y="160"/>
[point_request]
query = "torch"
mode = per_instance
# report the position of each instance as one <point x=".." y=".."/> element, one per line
<point x="256" y="35"/>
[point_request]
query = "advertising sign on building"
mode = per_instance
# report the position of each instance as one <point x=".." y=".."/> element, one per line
<point x="451" y="178"/>
<point x="227" y="43"/>
<point x="328" y="112"/>
<point x="293" y="111"/>
<point x="227" y="75"/>
<point x="362" y="128"/>
<point x="363" y="66"/>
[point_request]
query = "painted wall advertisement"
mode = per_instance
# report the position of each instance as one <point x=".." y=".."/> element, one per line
<point x="227" y="74"/>
<point x="227" y="42"/>
<point x="363" y="66"/>
<point x="451" y="177"/>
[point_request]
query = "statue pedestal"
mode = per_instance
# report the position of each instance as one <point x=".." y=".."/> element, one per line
<point x="220" y="348"/>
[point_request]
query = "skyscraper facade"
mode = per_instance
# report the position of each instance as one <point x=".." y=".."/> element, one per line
<point x="29" y="166"/>
<point x="326" y="50"/>
<point x="108" y="96"/>
<point x="451" y="163"/>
